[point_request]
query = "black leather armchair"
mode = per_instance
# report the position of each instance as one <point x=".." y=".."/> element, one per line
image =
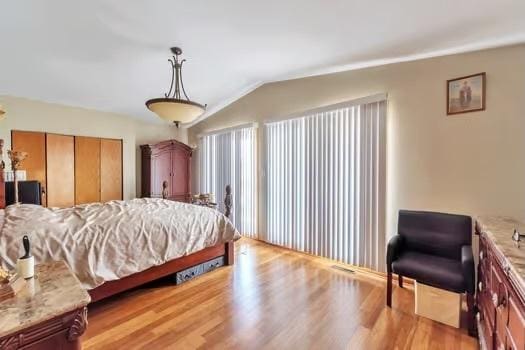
<point x="434" y="249"/>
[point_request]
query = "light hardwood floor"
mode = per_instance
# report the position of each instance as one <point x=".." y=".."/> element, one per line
<point x="272" y="298"/>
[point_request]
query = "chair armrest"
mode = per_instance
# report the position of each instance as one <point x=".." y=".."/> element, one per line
<point x="393" y="249"/>
<point x="467" y="266"/>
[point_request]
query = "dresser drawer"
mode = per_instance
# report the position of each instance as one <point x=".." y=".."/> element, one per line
<point x="496" y="278"/>
<point x="500" y="342"/>
<point x="516" y="325"/>
<point x="500" y="301"/>
<point x="62" y="332"/>
<point x="487" y="330"/>
<point x="496" y="293"/>
<point x="502" y="317"/>
<point x="484" y="255"/>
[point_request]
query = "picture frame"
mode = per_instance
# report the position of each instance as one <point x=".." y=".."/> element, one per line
<point x="466" y="94"/>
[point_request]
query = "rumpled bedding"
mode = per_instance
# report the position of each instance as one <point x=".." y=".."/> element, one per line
<point x="107" y="241"/>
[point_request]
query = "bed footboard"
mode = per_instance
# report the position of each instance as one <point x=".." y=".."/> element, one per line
<point x="229" y="256"/>
<point x="169" y="268"/>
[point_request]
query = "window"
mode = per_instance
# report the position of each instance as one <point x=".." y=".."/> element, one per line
<point x="229" y="158"/>
<point x="325" y="182"/>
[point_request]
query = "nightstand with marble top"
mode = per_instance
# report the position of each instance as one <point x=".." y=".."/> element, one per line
<point x="48" y="313"/>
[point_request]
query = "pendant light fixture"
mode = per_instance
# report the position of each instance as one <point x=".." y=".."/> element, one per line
<point x="174" y="106"/>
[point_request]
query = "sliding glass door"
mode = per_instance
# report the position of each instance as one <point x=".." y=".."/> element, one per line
<point x="325" y="183"/>
<point x="229" y="158"/>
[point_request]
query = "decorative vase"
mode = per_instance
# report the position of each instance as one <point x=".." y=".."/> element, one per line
<point x="16" y="158"/>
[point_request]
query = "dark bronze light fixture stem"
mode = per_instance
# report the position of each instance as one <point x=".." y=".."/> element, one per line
<point x="176" y="76"/>
<point x="174" y="102"/>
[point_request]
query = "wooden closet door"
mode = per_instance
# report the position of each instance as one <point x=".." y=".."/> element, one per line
<point x="34" y="143"/>
<point x="60" y="170"/>
<point x="87" y="169"/>
<point x="110" y="169"/>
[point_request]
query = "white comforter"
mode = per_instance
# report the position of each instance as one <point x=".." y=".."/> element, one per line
<point x="104" y="242"/>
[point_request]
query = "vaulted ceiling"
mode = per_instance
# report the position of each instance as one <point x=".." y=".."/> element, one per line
<point x="112" y="55"/>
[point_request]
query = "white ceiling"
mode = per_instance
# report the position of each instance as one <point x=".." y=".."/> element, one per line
<point x="112" y="55"/>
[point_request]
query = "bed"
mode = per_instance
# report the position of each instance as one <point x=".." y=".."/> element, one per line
<point x="114" y="246"/>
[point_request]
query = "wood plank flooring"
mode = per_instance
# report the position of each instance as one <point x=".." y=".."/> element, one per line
<point x="272" y="298"/>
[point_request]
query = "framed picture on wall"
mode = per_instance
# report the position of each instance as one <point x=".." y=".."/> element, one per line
<point x="466" y="94"/>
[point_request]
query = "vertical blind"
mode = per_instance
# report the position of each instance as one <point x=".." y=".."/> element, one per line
<point x="229" y="158"/>
<point x="325" y="183"/>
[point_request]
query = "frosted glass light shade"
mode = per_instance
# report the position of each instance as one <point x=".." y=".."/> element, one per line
<point x="175" y="110"/>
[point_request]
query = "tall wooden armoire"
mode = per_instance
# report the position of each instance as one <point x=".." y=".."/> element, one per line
<point x="166" y="162"/>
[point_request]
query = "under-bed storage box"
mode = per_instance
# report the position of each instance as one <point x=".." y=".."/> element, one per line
<point x="192" y="272"/>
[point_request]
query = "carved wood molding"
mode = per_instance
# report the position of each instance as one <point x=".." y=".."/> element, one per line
<point x="78" y="326"/>
<point x="146" y="150"/>
<point x="163" y="146"/>
<point x="10" y="343"/>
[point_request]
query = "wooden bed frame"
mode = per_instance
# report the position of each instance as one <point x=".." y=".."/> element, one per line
<point x="169" y="268"/>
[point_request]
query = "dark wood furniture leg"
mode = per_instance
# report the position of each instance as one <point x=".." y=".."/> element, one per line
<point x="389" y="289"/>
<point x="471" y="321"/>
<point x="400" y="281"/>
<point x="229" y="254"/>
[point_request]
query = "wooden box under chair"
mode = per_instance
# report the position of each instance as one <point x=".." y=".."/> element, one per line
<point x="438" y="304"/>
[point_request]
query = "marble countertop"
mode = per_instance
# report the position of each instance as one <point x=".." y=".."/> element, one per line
<point x="499" y="230"/>
<point x="52" y="292"/>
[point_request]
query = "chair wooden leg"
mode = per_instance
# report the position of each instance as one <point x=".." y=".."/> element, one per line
<point x="389" y="289"/>
<point x="400" y="280"/>
<point x="471" y="321"/>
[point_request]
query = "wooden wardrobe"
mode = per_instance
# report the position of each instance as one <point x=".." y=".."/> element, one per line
<point x="71" y="169"/>
<point x="170" y="162"/>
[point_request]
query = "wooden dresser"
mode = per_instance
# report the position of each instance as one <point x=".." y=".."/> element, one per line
<point x="166" y="162"/>
<point x="500" y="296"/>
<point x="49" y="313"/>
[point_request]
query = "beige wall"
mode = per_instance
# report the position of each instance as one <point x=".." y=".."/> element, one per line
<point x="24" y="114"/>
<point x="471" y="163"/>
